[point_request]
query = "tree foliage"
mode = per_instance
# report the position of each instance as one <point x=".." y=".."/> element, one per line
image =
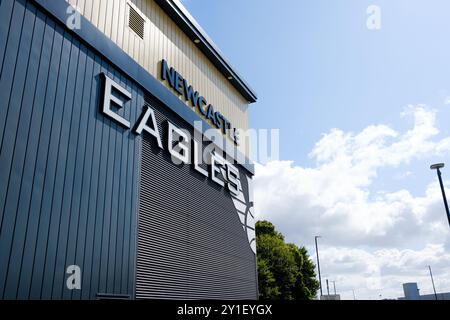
<point x="285" y="271"/>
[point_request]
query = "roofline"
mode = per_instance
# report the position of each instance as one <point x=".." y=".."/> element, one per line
<point x="179" y="14"/>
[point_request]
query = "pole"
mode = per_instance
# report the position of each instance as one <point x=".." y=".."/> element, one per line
<point x="432" y="281"/>
<point x="354" y="295"/>
<point x="443" y="195"/>
<point x="318" y="265"/>
<point x="328" y="289"/>
<point x="334" y="286"/>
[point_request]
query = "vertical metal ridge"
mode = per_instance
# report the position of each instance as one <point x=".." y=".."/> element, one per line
<point x="58" y="153"/>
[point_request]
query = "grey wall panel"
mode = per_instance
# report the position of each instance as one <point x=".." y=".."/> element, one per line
<point x="68" y="175"/>
<point x="191" y="244"/>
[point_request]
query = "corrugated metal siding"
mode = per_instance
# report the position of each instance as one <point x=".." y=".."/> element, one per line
<point x="68" y="175"/>
<point x="191" y="244"/>
<point x="164" y="40"/>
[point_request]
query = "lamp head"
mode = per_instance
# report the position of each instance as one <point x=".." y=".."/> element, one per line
<point x="437" y="166"/>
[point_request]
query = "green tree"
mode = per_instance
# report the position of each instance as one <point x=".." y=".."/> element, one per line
<point x="285" y="271"/>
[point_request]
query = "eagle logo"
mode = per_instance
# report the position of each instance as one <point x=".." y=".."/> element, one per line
<point x="245" y="211"/>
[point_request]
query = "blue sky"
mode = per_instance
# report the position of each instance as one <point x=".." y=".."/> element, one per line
<point x="316" y="66"/>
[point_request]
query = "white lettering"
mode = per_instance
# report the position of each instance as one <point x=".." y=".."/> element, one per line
<point x="180" y="150"/>
<point x="178" y="144"/>
<point x="143" y="125"/>
<point x="109" y="97"/>
<point x="234" y="185"/>
<point x="195" y="154"/>
<point x="215" y="159"/>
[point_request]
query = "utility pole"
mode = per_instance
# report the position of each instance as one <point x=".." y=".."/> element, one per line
<point x="432" y="281"/>
<point x="318" y="264"/>
<point x="354" y="296"/>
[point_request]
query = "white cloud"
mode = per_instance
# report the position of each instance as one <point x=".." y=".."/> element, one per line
<point x="364" y="228"/>
<point x="447" y="100"/>
<point x="384" y="271"/>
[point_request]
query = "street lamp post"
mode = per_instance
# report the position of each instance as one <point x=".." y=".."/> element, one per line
<point x="437" y="167"/>
<point x="432" y="281"/>
<point x="318" y="265"/>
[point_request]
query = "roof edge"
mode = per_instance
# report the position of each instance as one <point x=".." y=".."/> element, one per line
<point x="181" y="16"/>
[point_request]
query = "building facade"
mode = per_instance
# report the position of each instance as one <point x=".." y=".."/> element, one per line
<point x="121" y="170"/>
<point x="412" y="292"/>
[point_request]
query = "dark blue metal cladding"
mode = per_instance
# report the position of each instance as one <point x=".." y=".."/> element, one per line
<point x="68" y="175"/>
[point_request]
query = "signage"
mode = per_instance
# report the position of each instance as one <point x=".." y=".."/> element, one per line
<point x="184" y="150"/>
<point x="181" y="147"/>
<point x="182" y="87"/>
